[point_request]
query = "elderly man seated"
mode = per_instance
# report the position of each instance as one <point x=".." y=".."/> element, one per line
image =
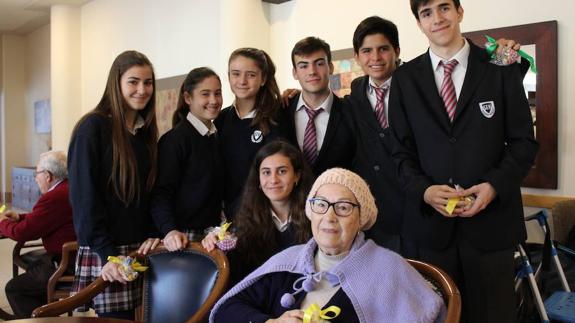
<point x="50" y="220"/>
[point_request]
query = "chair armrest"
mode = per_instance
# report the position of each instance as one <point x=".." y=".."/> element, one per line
<point x="22" y="245"/>
<point x="67" y="249"/>
<point x="448" y="287"/>
<point x="69" y="304"/>
<point x="568" y="252"/>
<point x="220" y="285"/>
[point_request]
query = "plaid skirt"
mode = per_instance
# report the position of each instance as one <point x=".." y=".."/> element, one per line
<point x="117" y="297"/>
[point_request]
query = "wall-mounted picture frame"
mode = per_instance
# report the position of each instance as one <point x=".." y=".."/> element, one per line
<point x="543" y="100"/>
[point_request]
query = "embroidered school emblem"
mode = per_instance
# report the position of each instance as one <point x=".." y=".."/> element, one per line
<point x="487" y="108"/>
<point x="257" y="136"/>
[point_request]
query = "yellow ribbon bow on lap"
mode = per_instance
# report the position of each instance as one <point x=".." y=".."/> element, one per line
<point x="314" y="312"/>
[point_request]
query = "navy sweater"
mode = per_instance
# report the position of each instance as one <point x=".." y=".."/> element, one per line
<point x="101" y="220"/>
<point x="240" y="267"/>
<point x="239" y="142"/>
<point x="261" y="301"/>
<point x="187" y="195"/>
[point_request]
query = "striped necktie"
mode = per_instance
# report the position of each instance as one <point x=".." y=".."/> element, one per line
<point x="448" y="89"/>
<point x="380" y="93"/>
<point x="310" y="136"/>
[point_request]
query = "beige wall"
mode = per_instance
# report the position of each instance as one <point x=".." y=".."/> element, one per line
<point x="175" y="37"/>
<point x="2" y="150"/>
<point x="66" y="81"/>
<point x="37" y="89"/>
<point x="14" y="114"/>
<point x="26" y="75"/>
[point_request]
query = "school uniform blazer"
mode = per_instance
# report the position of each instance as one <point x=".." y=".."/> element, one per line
<point x="490" y="140"/>
<point x="338" y="144"/>
<point x="373" y="161"/>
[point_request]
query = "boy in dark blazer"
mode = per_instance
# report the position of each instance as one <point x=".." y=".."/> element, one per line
<point x="316" y="119"/>
<point x="463" y="123"/>
<point x="376" y="50"/>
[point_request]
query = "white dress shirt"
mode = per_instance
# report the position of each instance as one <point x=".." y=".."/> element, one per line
<point x="458" y="74"/>
<point x="139" y="123"/>
<point x="200" y="126"/>
<point x="281" y="226"/>
<point x="249" y="115"/>
<point x="372" y="96"/>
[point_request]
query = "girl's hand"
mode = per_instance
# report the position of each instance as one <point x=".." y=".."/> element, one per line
<point x="175" y="240"/>
<point x="148" y="245"/>
<point x="209" y="242"/>
<point x="111" y="272"/>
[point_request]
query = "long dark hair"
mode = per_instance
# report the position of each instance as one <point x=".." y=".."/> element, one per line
<point x="194" y="77"/>
<point x="268" y="98"/>
<point x="124" y="176"/>
<point x="255" y="228"/>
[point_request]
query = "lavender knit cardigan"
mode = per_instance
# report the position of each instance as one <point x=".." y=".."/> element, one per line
<point x="381" y="285"/>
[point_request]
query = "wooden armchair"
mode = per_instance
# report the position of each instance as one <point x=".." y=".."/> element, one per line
<point x="444" y="285"/>
<point x="23" y="260"/>
<point x="60" y="283"/>
<point x="178" y="286"/>
<point x="563" y="216"/>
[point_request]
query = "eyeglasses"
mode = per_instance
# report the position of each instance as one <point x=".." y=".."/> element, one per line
<point x="341" y="208"/>
<point x="39" y="172"/>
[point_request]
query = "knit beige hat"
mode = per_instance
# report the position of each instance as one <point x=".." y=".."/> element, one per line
<point x="359" y="188"/>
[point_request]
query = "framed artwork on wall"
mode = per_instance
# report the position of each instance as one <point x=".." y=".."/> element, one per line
<point x="42" y="116"/>
<point x="345" y="70"/>
<point x="167" y="90"/>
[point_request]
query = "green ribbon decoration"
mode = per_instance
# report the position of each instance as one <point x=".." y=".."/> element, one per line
<point x="491" y="47"/>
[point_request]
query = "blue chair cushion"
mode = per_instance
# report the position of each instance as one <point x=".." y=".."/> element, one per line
<point x="176" y="285"/>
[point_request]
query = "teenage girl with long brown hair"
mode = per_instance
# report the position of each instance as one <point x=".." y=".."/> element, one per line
<point x="271" y="216"/>
<point x="112" y="169"/>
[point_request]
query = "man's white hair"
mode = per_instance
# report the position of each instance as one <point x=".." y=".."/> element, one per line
<point x="54" y="161"/>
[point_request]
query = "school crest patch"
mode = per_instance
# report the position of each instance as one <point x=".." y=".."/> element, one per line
<point x="257" y="136"/>
<point x="487" y="108"/>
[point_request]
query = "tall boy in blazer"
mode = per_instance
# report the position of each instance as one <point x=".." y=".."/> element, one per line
<point x="333" y="143"/>
<point x="464" y="123"/>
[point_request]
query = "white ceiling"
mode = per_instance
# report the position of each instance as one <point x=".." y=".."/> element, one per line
<point x="20" y="17"/>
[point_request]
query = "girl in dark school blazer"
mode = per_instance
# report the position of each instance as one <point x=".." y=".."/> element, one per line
<point x="250" y="122"/>
<point x="188" y="193"/>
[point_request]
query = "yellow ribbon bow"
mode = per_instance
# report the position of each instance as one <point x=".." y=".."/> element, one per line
<point x="314" y="311"/>
<point x="2" y="208"/>
<point x="129" y="267"/>
<point x="223" y="228"/>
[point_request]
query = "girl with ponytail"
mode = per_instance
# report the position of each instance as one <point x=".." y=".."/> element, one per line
<point x="250" y="122"/>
